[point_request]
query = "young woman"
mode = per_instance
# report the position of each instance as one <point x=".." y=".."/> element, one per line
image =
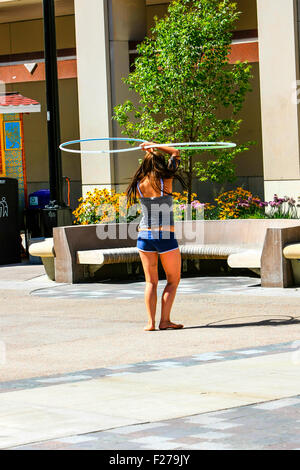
<point x="152" y="184"/>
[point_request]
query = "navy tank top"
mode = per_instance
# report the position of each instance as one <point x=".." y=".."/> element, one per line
<point x="156" y="211"/>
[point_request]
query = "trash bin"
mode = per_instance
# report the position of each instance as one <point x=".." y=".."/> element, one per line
<point x="42" y="215"/>
<point x="55" y="216"/>
<point x="36" y="203"/>
<point x="10" y="240"/>
<point x="39" y="199"/>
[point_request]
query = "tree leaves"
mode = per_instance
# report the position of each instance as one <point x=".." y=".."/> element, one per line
<point x="187" y="89"/>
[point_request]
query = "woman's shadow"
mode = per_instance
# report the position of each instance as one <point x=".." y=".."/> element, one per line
<point x="283" y="320"/>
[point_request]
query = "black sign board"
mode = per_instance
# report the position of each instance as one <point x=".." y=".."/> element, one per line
<point x="9" y="223"/>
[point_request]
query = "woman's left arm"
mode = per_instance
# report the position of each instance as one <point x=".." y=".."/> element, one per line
<point x="165" y="148"/>
<point x="174" y="160"/>
<point x="174" y="153"/>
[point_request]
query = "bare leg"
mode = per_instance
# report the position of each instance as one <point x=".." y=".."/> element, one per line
<point x="171" y="262"/>
<point x="149" y="261"/>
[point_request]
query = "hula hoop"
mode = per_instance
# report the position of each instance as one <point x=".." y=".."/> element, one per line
<point x="177" y="145"/>
<point x="196" y="145"/>
<point x="107" y="139"/>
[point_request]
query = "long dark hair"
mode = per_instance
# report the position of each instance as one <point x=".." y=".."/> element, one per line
<point x="155" y="166"/>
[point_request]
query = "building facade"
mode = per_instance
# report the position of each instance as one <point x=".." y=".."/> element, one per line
<point x="96" y="41"/>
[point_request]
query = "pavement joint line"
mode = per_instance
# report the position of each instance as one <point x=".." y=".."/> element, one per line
<point x="143" y="367"/>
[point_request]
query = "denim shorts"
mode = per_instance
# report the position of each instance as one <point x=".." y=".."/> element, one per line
<point x="156" y="241"/>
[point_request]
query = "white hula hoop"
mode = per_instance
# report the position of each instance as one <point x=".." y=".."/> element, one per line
<point x="196" y="145"/>
<point x="179" y="145"/>
<point x="107" y="139"/>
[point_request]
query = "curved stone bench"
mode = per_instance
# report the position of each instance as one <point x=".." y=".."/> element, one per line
<point x="250" y="259"/>
<point x="131" y="254"/>
<point x="209" y="251"/>
<point x="95" y="259"/>
<point x="108" y="256"/>
<point x="245" y="243"/>
<point x="292" y="253"/>
<point x="45" y="250"/>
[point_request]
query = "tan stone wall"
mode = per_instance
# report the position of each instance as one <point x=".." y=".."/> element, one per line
<point x="154" y="10"/>
<point x="102" y="61"/>
<point x="250" y="163"/>
<point x="280" y="113"/>
<point x="27" y="36"/>
<point x="248" y="18"/>
<point x="35" y="130"/>
<point x="4" y="38"/>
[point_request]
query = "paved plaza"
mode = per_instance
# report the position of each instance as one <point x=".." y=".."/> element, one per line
<point x="233" y="429"/>
<point x="79" y="372"/>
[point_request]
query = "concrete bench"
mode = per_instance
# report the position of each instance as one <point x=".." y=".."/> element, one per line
<point x="79" y="247"/>
<point x="241" y="242"/>
<point x="130" y="255"/>
<point x="249" y="259"/>
<point x="253" y="244"/>
<point x="292" y="252"/>
<point x="96" y="259"/>
<point x="278" y="255"/>
<point x="45" y="250"/>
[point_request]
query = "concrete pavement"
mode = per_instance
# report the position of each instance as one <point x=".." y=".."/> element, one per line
<point x="54" y="331"/>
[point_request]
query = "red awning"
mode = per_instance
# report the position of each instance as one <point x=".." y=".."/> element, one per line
<point x="17" y="103"/>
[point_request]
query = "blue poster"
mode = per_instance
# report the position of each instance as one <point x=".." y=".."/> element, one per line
<point x="12" y="135"/>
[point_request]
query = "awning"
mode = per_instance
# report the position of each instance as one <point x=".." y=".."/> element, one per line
<point x="11" y="103"/>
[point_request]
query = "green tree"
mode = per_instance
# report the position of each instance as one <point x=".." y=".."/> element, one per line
<point x="186" y="86"/>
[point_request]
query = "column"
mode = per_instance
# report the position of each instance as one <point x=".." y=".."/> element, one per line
<point x="94" y="94"/>
<point x="279" y="71"/>
<point x="103" y="29"/>
<point x="127" y="23"/>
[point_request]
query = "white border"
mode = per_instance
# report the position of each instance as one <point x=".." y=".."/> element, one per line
<point x="31" y="108"/>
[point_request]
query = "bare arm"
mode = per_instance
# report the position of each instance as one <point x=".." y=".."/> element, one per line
<point x="170" y="150"/>
<point x="174" y="153"/>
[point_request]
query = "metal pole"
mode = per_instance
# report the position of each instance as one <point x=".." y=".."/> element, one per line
<point x="53" y="122"/>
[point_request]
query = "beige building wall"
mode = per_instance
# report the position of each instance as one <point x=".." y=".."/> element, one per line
<point x="36" y="140"/>
<point x="102" y="33"/>
<point x="27" y="36"/>
<point x="277" y="21"/>
<point x="248" y="18"/>
<point x="103" y="59"/>
<point x="94" y="91"/>
<point x="249" y="165"/>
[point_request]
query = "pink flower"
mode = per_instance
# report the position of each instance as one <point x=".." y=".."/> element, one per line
<point x="196" y="204"/>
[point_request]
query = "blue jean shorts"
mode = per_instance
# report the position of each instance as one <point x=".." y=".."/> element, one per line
<point x="156" y="241"/>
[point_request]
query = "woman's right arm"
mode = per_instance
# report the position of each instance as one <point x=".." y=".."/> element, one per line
<point x="174" y="160"/>
<point x="165" y="148"/>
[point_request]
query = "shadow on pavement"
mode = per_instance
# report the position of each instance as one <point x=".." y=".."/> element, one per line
<point x="284" y="320"/>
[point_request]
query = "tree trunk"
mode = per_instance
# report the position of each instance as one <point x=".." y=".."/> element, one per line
<point x="190" y="180"/>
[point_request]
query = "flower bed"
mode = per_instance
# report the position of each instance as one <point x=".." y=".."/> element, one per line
<point x="104" y="206"/>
